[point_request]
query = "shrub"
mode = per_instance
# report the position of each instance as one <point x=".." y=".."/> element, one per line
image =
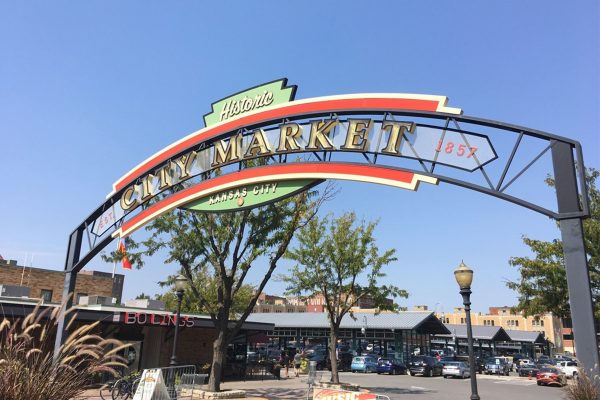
<point x="27" y="368"/>
<point x="584" y="387"/>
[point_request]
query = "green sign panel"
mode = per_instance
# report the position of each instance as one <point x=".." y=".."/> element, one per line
<point x="249" y="196"/>
<point x="268" y="94"/>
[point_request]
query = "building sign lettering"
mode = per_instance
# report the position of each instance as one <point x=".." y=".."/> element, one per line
<point x="253" y="99"/>
<point x="390" y="138"/>
<point x="249" y="196"/>
<point x="264" y="129"/>
<point x="130" y="318"/>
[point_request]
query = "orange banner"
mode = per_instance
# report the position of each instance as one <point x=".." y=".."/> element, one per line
<point x="333" y="394"/>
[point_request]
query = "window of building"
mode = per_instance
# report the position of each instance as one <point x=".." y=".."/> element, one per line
<point x="516" y="322"/>
<point x="542" y="322"/>
<point x="462" y="320"/>
<point x="46" y="295"/>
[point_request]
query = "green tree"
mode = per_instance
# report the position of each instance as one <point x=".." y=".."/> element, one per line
<point x="208" y="284"/>
<point x="215" y="252"/>
<point x="542" y="286"/>
<point x="340" y="260"/>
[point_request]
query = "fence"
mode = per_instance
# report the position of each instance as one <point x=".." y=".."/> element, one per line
<point x="169" y="383"/>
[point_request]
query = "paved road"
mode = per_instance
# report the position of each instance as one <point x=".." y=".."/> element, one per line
<point x="406" y="387"/>
<point x="403" y="387"/>
<point x="490" y="388"/>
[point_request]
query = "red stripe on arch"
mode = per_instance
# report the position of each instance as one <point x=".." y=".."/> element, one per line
<point x="276" y="172"/>
<point x="291" y="109"/>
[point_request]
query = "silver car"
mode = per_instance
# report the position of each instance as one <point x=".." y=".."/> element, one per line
<point x="456" y="368"/>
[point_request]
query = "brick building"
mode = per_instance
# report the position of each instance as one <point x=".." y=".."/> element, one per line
<point x="46" y="284"/>
<point x="313" y="304"/>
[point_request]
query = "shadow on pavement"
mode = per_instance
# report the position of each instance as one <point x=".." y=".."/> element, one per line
<point x="277" y="393"/>
<point x="402" y="390"/>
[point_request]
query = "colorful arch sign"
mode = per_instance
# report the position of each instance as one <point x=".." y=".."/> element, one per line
<point x="261" y="145"/>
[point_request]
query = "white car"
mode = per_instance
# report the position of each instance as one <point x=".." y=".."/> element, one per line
<point x="456" y="368"/>
<point x="568" y="367"/>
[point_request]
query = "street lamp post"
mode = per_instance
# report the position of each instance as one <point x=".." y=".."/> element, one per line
<point x="180" y="283"/>
<point x="464" y="278"/>
<point x="363" y="330"/>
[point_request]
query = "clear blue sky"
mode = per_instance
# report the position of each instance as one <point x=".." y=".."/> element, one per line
<point x="90" y="89"/>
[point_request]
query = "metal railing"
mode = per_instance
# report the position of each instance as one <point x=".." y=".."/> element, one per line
<point x="169" y="383"/>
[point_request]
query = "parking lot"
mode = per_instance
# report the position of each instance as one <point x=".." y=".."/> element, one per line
<point x="410" y="387"/>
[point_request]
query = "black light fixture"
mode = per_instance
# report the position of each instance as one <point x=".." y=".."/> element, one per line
<point x="180" y="285"/>
<point x="464" y="278"/>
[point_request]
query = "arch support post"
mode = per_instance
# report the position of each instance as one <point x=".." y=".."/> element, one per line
<point x="578" y="278"/>
<point x="73" y="253"/>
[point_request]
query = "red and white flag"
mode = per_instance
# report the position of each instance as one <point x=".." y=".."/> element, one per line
<point x="125" y="260"/>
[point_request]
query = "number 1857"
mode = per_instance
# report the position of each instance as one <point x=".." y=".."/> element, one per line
<point x="461" y="149"/>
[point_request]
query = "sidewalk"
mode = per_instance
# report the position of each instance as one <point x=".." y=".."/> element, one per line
<point x="267" y="389"/>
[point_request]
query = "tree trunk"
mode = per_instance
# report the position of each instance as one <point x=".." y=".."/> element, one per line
<point x="333" y="335"/>
<point x="219" y="353"/>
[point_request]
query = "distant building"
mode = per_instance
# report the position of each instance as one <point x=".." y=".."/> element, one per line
<point x="46" y="284"/>
<point x="276" y="304"/>
<point x="547" y="324"/>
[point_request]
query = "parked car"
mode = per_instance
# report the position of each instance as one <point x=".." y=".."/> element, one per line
<point x="517" y="359"/>
<point x="551" y="376"/>
<point x="496" y="366"/>
<point x="344" y="361"/>
<point x="569" y="368"/>
<point x="479" y="363"/>
<point x="544" y="359"/>
<point x="528" y="368"/>
<point x="364" y="364"/>
<point x="456" y="368"/>
<point x="390" y="366"/>
<point x="424" y="365"/>
<point x="564" y="357"/>
<point x="508" y="361"/>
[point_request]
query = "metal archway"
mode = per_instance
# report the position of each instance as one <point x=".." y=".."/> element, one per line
<point x="368" y="137"/>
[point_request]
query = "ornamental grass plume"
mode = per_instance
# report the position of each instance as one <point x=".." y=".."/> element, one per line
<point x="27" y="368"/>
<point x="583" y="387"/>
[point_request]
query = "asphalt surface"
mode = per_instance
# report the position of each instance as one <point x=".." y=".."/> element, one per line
<point x="401" y="387"/>
<point x="411" y="387"/>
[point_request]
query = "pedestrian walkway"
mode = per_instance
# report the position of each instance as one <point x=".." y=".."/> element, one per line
<point x="284" y="389"/>
<point x="395" y="387"/>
